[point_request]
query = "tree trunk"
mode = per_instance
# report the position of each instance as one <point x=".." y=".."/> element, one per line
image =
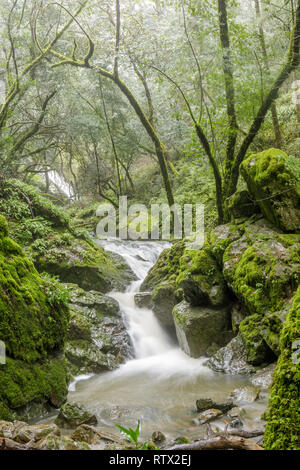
<point x="266" y="62"/>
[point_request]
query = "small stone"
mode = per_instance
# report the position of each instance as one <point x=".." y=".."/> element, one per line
<point x="207" y="416"/>
<point x="158" y="436"/>
<point x="204" y="404"/>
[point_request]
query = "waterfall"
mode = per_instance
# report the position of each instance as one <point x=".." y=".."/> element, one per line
<point x="161" y="384"/>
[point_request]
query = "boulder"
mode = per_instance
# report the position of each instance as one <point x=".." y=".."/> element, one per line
<point x="164" y="300"/>
<point x="33" y="325"/>
<point x="97" y="337"/>
<point x="72" y="415"/>
<point x="158" y="437"/>
<point x="51" y="242"/>
<point x="143" y="299"/>
<point x="92" y="435"/>
<point x="273" y="180"/>
<point x="201" y="280"/>
<point x="161" y="282"/>
<point x="241" y="205"/>
<point x="263" y="378"/>
<point x="197" y="328"/>
<point x="231" y="359"/>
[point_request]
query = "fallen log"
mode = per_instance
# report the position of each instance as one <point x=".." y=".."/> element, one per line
<point x="247" y="434"/>
<point x="8" y="444"/>
<point x="220" y="443"/>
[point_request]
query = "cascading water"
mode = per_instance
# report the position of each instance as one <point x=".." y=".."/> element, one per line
<point x="161" y="384"/>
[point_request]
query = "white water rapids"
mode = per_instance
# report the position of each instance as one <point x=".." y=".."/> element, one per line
<point x="161" y="384"/>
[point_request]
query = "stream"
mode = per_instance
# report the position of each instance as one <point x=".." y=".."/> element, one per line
<point x="161" y="384"/>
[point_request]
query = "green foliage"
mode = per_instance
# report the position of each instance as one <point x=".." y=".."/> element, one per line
<point x="133" y="436"/>
<point x="57" y="293"/>
<point x="283" y="419"/>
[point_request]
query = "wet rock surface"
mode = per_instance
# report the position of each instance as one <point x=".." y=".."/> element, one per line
<point x="72" y="415"/>
<point x="231" y="359"/>
<point x="198" y="328"/>
<point x="97" y="335"/>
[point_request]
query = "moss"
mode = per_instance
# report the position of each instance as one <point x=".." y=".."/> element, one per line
<point x="3" y="227"/>
<point x="283" y="416"/>
<point x="31" y="326"/>
<point x="220" y="238"/>
<point x="257" y="350"/>
<point x="241" y="205"/>
<point x="200" y="278"/>
<point x="166" y="268"/>
<point x="21" y="384"/>
<point x="273" y="179"/>
<point x="79" y="261"/>
<point x="19" y="200"/>
<point x="261" y="272"/>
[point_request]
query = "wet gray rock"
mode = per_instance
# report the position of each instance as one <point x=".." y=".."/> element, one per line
<point x="143" y="299"/>
<point x="197" y="328"/>
<point x="158" y="437"/>
<point x="97" y="337"/>
<point x="247" y="394"/>
<point x="231" y="359"/>
<point x="207" y="416"/>
<point x="264" y="377"/>
<point x="23" y="433"/>
<point x="72" y="415"/>
<point x="204" y="404"/>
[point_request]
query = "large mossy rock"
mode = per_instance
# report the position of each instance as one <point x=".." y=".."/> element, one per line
<point x="198" y="329"/>
<point x="262" y="268"/>
<point x="82" y="262"/>
<point x="241" y="205"/>
<point x="201" y="280"/>
<point x="54" y="245"/>
<point x="97" y="338"/>
<point x="283" y="416"/>
<point x="161" y="282"/>
<point x="273" y="180"/>
<point x="33" y="326"/>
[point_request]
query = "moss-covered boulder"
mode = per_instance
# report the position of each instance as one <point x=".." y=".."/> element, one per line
<point x="72" y="415"/>
<point x="283" y="416"/>
<point x="33" y="325"/>
<point x="198" y="329"/>
<point x="262" y="268"/>
<point x="97" y="339"/>
<point x="55" y="245"/>
<point x="161" y="282"/>
<point x="273" y="180"/>
<point x="201" y="280"/>
<point x="241" y="205"/>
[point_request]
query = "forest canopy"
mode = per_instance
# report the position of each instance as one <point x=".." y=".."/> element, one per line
<point x="102" y="91"/>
